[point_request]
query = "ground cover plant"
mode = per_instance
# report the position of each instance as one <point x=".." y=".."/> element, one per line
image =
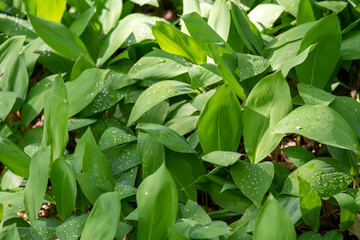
<point x="198" y="119"/>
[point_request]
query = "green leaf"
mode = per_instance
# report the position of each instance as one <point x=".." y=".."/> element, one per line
<point x="250" y="65"/>
<point x="219" y="127"/>
<point x="56" y="108"/>
<point x="290" y="5"/>
<point x="79" y="25"/>
<point x="327" y="176"/>
<point x="314" y="96"/>
<point x="154" y="95"/>
<point x="123" y="157"/>
<point x="101" y="223"/>
<point x="219" y="18"/>
<point x="262" y="19"/>
<point x="115" y="136"/>
<point x="72" y="228"/>
<point x="185" y="170"/>
<point x="59" y="37"/>
<point x="9" y="232"/>
<point x="222" y="158"/>
<point x="211" y="230"/>
<point x="310" y="204"/>
<point x="157" y="65"/>
<point x="253" y="179"/>
<point x="203" y="75"/>
<point x="13" y="203"/>
<point x="13" y="26"/>
<point x="156" y="197"/>
<point x="37" y="183"/>
<point x="349" y="46"/>
<point x="273" y="222"/>
<point x="44" y="228"/>
<point x="310" y="236"/>
<point x="48" y="9"/>
<point x="331" y="128"/>
<point x="336" y="7"/>
<point x="109" y="13"/>
<point x="298" y="155"/>
<point x="348" y="210"/>
<point x="317" y="69"/>
<point x="333" y="235"/>
<point x="14" y="158"/>
<point x="194" y="212"/>
<point x="305" y="12"/>
<point x="10" y="180"/>
<point x="174" y="41"/>
<point x="267" y="103"/>
<point x="90" y="82"/>
<point x="151" y="153"/>
<point x="34" y="102"/>
<point x="167" y="137"/>
<point x="248" y="32"/>
<point x="148" y="2"/>
<point x="63" y="182"/>
<point x="349" y="109"/>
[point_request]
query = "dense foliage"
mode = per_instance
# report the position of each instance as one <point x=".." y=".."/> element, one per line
<point x="238" y="120"/>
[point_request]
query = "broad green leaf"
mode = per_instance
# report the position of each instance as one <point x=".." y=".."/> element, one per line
<point x="151" y="154"/>
<point x="124" y="190"/>
<point x="90" y="82"/>
<point x="253" y="179"/>
<point x="79" y="25"/>
<point x="48" y="9"/>
<point x="155" y="94"/>
<point x="203" y="75"/>
<point x="273" y="222"/>
<point x="9" y="48"/>
<point x="336" y="7"/>
<point x="268" y="102"/>
<point x="149" y="2"/>
<point x="222" y="158"/>
<point x="122" y="158"/>
<point x="14" y="158"/>
<point x="7" y="101"/>
<point x="13" y="203"/>
<point x="331" y="127"/>
<point x="349" y="109"/>
<point x="183" y="125"/>
<point x="200" y="101"/>
<point x="231" y="199"/>
<point x="201" y="32"/>
<point x="79" y="123"/>
<point x="59" y="37"/>
<point x="333" y="235"/>
<point x="44" y="228"/>
<point x="262" y="19"/>
<point x="280" y="56"/>
<point x="248" y="32"/>
<point x="156" y="197"/>
<point x="13" y="26"/>
<point x="310" y="204"/>
<point x="167" y="137"/>
<point x="158" y="65"/>
<point x="349" y="46"/>
<point x="10" y="180"/>
<point x="314" y="96"/>
<point x="72" y="228"/>
<point x="63" y="182"/>
<point x="211" y="230"/>
<point x="220" y="122"/>
<point x="109" y="13"/>
<point x="226" y="62"/>
<point x="34" y="102"/>
<point x="310" y="236"/>
<point x="56" y="108"/>
<point x="298" y="155"/>
<point x="250" y="65"/>
<point x="290" y="5"/>
<point x="348" y="210"/>
<point x="102" y="223"/>
<point x="115" y="136"/>
<point x="114" y="40"/>
<point x="318" y="67"/>
<point x="219" y="18"/>
<point x="9" y="232"/>
<point x="37" y="183"/>
<point x="15" y="78"/>
<point x="123" y="230"/>
<point x="174" y="41"/>
<point x="194" y="212"/>
<point x="305" y="12"/>
<point x="325" y="175"/>
<point x="294" y="61"/>
<point x="348" y="157"/>
<point x="185" y="170"/>
<point x="189" y="6"/>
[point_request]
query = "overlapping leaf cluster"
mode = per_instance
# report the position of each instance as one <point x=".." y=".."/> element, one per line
<point x="127" y="125"/>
